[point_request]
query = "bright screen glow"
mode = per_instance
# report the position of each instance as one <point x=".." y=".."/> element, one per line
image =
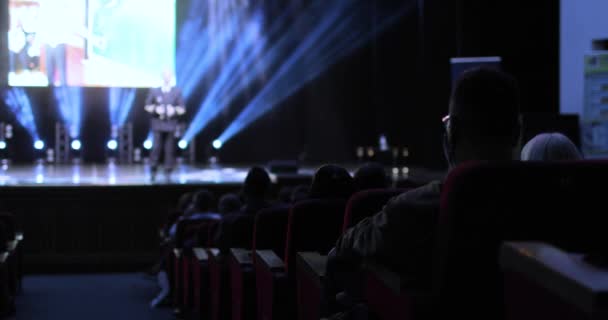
<point x="98" y="43"/>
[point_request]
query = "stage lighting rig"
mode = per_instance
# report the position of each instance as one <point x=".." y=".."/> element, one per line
<point x="148" y="144"/>
<point x="112" y="144"/>
<point x="76" y="145"/>
<point x="182" y="144"/>
<point x="39" y="145"/>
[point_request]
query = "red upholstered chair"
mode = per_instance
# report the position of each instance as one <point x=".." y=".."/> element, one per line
<point x="269" y="234"/>
<point x="190" y="232"/>
<point x="311" y="265"/>
<point x="485" y="204"/>
<point x="180" y="260"/>
<point x="544" y="282"/>
<point x="366" y="203"/>
<point x="313" y="225"/>
<point x="219" y="284"/>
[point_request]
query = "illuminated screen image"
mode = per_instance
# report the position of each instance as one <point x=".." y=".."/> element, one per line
<point x="90" y="43"/>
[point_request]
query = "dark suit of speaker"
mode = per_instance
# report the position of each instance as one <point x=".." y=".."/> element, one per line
<point x="166" y="106"/>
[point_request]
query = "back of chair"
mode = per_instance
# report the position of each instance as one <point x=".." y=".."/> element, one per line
<point x="366" y="203"/>
<point x="270" y="229"/>
<point x="484" y="204"/>
<point x="313" y="225"/>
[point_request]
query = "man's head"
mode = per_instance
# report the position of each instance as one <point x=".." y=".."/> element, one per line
<point x="167" y="76"/>
<point x="257" y="183"/>
<point x="483" y="123"/>
<point x="202" y="201"/>
<point x="331" y="181"/>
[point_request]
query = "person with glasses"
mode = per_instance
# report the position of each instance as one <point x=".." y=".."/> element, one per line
<point x="482" y="124"/>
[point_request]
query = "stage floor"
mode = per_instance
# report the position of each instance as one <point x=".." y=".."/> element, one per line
<point x="121" y="175"/>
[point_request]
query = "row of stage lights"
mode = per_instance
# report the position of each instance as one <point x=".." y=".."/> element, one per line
<point x="112" y="144"/>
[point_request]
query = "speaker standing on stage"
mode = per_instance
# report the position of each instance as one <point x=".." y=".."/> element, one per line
<point x="166" y="106"/>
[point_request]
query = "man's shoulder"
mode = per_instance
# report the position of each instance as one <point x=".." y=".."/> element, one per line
<point x="427" y="194"/>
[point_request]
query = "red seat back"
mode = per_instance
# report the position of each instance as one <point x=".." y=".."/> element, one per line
<point x="313" y="225"/>
<point x="270" y="229"/>
<point x="484" y="204"/>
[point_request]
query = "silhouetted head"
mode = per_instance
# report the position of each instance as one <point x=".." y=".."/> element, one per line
<point x="168" y="78"/>
<point x="483" y="123"/>
<point x="550" y="147"/>
<point x="202" y="201"/>
<point x="229" y="203"/>
<point x="257" y="183"/>
<point x="331" y="181"/>
<point x="371" y="176"/>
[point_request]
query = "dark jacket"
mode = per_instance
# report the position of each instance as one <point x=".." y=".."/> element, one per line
<point x="401" y="236"/>
<point x="159" y="98"/>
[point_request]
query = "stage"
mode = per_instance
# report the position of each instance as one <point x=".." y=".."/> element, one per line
<point x="124" y="175"/>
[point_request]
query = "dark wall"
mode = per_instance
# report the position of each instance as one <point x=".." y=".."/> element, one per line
<point x="398" y="84"/>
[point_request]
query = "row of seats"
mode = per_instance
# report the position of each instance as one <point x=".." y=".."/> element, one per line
<point x="11" y="266"/>
<point x="222" y="286"/>
<point x="280" y="273"/>
<point x="543" y="214"/>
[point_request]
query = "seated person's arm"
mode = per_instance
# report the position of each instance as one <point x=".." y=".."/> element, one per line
<point x="402" y="230"/>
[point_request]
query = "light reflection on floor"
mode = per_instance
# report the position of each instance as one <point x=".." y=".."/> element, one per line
<point x="111" y="174"/>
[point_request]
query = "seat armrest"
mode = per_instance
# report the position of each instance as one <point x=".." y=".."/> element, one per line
<point x="215" y="252"/>
<point x="270" y="260"/>
<point x="200" y="254"/>
<point x="565" y="274"/>
<point x="242" y="256"/>
<point x="313" y="264"/>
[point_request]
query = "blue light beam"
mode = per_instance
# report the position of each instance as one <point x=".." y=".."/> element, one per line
<point x="69" y="101"/>
<point x="19" y="104"/>
<point x="303" y="66"/>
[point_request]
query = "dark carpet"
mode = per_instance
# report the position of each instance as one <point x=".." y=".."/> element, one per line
<point x="92" y="297"/>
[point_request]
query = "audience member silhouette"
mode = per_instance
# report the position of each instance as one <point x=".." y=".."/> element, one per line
<point x="331" y="181"/>
<point x="200" y="209"/>
<point x="233" y="230"/>
<point x="483" y="124"/>
<point x="371" y="176"/>
<point x="550" y="147"/>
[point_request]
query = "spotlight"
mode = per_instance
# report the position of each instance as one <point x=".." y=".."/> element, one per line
<point x="2" y="145"/>
<point x="112" y="144"/>
<point x="148" y="144"/>
<point x="76" y="145"/>
<point x="217" y="144"/>
<point x="182" y="144"/>
<point x="39" y="145"/>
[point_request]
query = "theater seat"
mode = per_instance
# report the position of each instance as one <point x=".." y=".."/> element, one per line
<point x="313" y="225"/>
<point x="544" y="282"/>
<point x="269" y="234"/>
<point x="219" y="285"/>
<point x="485" y="204"/>
<point x="311" y="265"/>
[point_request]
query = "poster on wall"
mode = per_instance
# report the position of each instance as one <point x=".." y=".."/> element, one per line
<point x="594" y="119"/>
